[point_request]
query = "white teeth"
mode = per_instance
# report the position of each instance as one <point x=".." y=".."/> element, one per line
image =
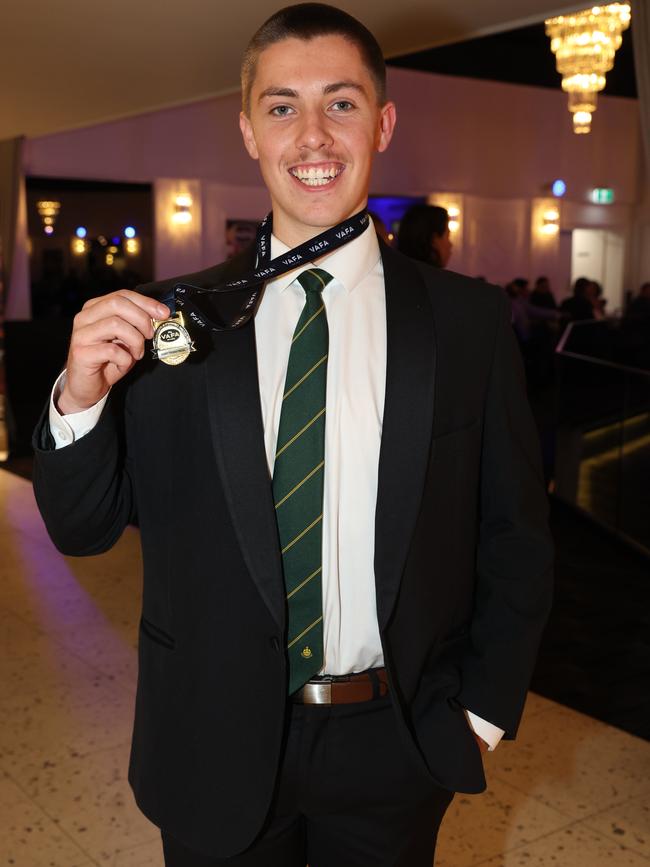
<point x="316" y="176"/>
<point x="316" y="182"/>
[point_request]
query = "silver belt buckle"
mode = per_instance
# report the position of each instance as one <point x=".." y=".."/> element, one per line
<point x="317" y="693"/>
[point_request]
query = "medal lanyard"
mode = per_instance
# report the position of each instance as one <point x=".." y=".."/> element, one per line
<point x="204" y="306"/>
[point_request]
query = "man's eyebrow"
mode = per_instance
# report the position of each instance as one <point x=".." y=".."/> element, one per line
<point x="343" y="85"/>
<point x="278" y="91"/>
<point x="327" y="90"/>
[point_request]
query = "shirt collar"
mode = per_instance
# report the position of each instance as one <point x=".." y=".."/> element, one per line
<point x="348" y="265"/>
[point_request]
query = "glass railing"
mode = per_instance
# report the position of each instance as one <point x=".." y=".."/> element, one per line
<point x="602" y="462"/>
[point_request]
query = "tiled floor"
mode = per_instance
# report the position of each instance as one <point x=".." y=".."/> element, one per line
<point x="571" y="791"/>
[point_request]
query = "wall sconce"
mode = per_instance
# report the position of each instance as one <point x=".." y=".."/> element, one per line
<point x="453" y="204"/>
<point x="182" y="209"/>
<point x="454" y="218"/>
<point x="48" y="212"/>
<point x="550" y="222"/>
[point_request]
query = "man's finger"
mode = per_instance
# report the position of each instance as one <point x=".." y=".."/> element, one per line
<point x="116" y="305"/>
<point x="152" y="307"/>
<point x="95" y="356"/>
<point x="110" y="329"/>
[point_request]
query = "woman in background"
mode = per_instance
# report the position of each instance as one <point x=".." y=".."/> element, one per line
<point x="424" y="235"/>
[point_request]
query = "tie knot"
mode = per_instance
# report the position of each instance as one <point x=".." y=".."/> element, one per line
<point x="314" y="280"/>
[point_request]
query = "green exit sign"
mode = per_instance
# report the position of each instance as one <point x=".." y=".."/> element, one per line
<point x="602" y="195"/>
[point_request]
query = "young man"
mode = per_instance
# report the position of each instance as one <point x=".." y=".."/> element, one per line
<point x="338" y="616"/>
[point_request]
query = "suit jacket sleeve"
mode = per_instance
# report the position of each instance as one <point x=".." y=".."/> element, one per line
<point x="515" y="552"/>
<point x="84" y="491"/>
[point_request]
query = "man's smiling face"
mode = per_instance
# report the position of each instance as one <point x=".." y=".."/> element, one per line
<point x="315" y="125"/>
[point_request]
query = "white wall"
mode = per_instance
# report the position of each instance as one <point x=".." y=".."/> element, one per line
<point x="181" y="249"/>
<point x="480" y="137"/>
<point x="494" y="145"/>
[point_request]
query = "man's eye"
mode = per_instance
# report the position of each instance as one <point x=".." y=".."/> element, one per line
<point x="342" y="105"/>
<point x="281" y="110"/>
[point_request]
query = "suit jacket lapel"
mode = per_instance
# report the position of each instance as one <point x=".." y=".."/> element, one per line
<point x="238" y="436"/>
<point x="407" y="424"/>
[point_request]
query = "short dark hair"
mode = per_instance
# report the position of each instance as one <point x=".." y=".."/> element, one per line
<point x="580" y="286"/>
<point x="418" y="227"/>
<point x="307" y="21"/>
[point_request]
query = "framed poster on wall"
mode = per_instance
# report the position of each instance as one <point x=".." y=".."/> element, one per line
<point x="239" y="235"/>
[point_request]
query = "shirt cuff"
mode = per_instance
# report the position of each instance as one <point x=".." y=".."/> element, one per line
<point x="67" y="429"/>
<point x="489" y="733"/>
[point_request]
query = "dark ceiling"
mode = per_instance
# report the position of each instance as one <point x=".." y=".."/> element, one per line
<point x="521" y="56"/>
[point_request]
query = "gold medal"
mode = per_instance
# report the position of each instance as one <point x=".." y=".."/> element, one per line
<point x="171" y="340"/>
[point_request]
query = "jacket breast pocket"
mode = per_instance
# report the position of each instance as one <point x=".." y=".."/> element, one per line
<point x="156" y="634"/>
<point x="448" y="435"/>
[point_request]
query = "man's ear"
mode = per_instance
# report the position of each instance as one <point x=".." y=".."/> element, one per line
<point x="387" y="121"/>
<point x="247" y="134"/>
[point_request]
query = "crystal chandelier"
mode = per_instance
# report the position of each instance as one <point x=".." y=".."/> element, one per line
<point x="584" y="44"/>
<point x="48" y="212"/>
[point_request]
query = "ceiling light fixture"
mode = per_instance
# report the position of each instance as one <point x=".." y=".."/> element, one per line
<point x="48" y="212"/>
<point x="584" y="44"/>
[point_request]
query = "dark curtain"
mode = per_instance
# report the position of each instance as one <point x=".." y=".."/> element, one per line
<point x="10" y="175"/>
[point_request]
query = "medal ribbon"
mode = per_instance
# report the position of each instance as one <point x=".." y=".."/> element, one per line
<point x="200" y="304"/>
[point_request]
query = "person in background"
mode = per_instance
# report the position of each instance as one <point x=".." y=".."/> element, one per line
<point x="636" y="329"/>
<point x="541" y="296"/>
<point x="525" y="314"/>
<point x="424" y="235"/>
<point x="596" y="299"/>
<point x="535" y="330"/>
<point x="517" y="288"/>
<point x="640" y="306"/>
<point x="578" y="306"/>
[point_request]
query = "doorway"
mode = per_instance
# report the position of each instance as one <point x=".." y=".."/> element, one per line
<point x="599" y="254"/>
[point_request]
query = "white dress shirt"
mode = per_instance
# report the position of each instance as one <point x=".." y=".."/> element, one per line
<point x="356" y="376"/>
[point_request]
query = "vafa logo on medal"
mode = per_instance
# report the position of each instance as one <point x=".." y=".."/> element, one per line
<point x="171" y="341"/>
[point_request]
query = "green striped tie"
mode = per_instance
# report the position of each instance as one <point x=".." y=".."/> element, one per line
<point x="298" y="482"/>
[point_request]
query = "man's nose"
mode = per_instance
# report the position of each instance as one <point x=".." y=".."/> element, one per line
<point x="314" y="133"/>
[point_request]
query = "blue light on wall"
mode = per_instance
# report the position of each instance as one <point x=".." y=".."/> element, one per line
<point x="81" y="232"/>
<point x="129" y="232"/>
<point x="391" y="209"/>
<point x="558" y="188"/>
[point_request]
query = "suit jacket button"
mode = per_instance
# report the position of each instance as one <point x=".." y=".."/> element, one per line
<point x="275" y="643"/>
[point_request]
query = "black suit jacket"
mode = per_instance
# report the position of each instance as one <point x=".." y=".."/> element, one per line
<point x="462" y="565"/>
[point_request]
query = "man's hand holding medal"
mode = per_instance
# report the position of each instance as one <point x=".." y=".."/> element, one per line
<point x="108" y="337"/>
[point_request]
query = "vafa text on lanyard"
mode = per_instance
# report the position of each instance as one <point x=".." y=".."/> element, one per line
<point x="205" y="307"/>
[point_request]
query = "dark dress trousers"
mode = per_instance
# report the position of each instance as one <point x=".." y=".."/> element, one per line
<point x="463" y="556"/>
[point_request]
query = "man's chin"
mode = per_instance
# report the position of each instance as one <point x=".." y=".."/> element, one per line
<point x="310" y="220"/>
<point x="323" y="217"/>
